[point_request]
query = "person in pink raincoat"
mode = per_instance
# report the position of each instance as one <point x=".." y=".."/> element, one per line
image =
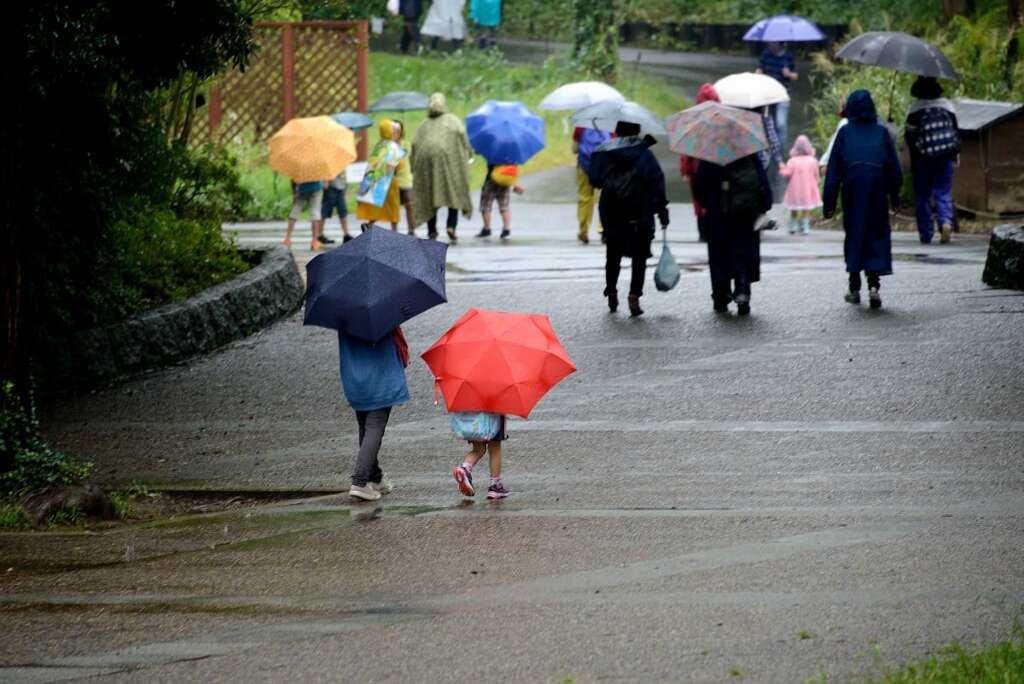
<point x="802" y="195"/>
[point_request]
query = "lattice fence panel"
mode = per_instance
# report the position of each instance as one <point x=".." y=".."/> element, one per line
<point x="326" y="71"/>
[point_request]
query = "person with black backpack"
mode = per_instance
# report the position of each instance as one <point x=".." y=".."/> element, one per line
<point x="735" y="196"/>
<point x="933" y="136"/>
<point x="632" y="192"/>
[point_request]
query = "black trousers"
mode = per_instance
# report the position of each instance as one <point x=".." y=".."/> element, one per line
<point x="724" y="291"/>
<point x="612" y="266"/>
<point x="410" y="34"/>
<point x="452" y="222"/>
<point x="371" y="434"/>
<point x="874" y="280"/>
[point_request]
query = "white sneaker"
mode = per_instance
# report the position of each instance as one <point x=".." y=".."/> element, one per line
<point x="366" y="493"/>
<point x="385" y="486"/>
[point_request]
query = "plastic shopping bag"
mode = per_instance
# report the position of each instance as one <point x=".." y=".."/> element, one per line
<point x="667" y="274"/>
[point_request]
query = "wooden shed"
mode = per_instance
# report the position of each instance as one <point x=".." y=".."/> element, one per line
<point x="990" y="179"/>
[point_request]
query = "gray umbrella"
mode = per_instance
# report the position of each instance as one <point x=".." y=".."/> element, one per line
<point x="400" y="101"/>
<point x="604" y="115"/>
<point x="899" y="52"/>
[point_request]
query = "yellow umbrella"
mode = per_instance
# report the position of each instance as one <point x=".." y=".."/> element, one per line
<point x="311" y="149"/>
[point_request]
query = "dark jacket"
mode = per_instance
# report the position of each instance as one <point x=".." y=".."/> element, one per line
<point x="629" y="226"/>
<point x="734" y="247"/>
<point x="865" y="169"/>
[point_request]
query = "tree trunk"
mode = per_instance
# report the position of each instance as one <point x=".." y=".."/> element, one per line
<point x="958" y="7"/>
<point x="1015" y="12"/>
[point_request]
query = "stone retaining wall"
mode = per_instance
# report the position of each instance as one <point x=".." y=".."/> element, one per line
<point x="1004" y="266"/>
<point x="172" y="333"/>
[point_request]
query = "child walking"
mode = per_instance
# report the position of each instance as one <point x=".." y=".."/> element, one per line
<point x="500" y="182"/>
<point x="471" y="426"/>
<point x="373" y="379"/>
<point x="802" y="195"/>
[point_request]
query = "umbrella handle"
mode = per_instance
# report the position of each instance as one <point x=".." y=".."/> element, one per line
<point x="437" y="390"/>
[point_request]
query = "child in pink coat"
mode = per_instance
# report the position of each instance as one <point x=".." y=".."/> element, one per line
<point x="802" y="194"/>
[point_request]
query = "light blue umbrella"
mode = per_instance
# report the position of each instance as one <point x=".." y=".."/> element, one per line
<point x="784" y="28"/>
<point x="505" y="132"/>
<point x="400" y="101"/>
<point x="354" y="121"/>
<point x="604" y="115"/>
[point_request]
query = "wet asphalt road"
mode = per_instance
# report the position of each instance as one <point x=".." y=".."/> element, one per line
<point x="709" y="498"/>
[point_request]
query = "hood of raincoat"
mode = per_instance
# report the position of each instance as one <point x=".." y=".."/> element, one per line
<point x="860" y="107"/>
<point x="802" y="147"/>
<point x="630" y="147"/>
<point x="707" y="93"/>
<point x="437" y="105"/>
<point x="386" y="128"/>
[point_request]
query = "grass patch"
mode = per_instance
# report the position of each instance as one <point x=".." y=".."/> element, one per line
<point x="467" y="80"/>
<point x="13" y="517"/>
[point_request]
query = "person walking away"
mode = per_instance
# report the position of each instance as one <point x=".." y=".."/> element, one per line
<point x="633" y="193"/>
<point x="735" y="196"/>
<point x="440" y="155"/>
<point x="865" y="171"/>
<point x="386" y="158"/>
<point x="486" y="14"/>
<point x="688" y="165"/>
<point x="410" y="11"/>
<point x="933" y="137"/>
<point x="403" y="175"/>
<point x="802" y="194"/>
<point x="476" y="423"/>
<point x="444" y="21"/>
<point x="373" y="381"/>
<point x="584" y="142"/>
<point x="780" y="64"/>
<point x="498" y="185"/>
<point x="310" y="194"/>
<point x="334" y="200"/>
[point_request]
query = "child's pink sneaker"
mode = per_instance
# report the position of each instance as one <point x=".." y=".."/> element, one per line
<point x="465" y="480"/>
<point x="497" y="491"/>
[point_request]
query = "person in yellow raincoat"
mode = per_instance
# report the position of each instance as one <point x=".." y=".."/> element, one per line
<point x="386" y="162"/>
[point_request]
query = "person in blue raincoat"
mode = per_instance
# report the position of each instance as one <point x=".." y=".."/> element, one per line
<point x="373" y="381"/>
<point x="633" y="193"/>
<point x="486" y="14"/>
<point x="865" y="170"/>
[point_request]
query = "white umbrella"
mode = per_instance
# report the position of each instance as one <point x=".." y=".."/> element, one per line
<point x="750" y="90"/>
<point x="579" y="95"/>
<point x="604" y="115"/>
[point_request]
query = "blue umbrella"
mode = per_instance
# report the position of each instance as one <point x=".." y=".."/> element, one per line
<point x="354" y="121"/>
<point x="505" y="132"/>
<point x="784" y="28"/>
<point x="374" y="283"/>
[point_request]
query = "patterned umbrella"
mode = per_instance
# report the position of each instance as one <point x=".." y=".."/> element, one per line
<point x="785" y="28"/>
<point x="497" y="362"/>
<point x="312" y="149"/>
<point x="716" y="133"/>
<point x="505" y="132"/>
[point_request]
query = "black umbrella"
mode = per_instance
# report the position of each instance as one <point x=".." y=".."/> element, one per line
<point x="899" y="52"/>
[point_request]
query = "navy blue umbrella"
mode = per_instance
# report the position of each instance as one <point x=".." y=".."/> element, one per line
<point x="505" y="132"/>
<point x="374" y="283"/>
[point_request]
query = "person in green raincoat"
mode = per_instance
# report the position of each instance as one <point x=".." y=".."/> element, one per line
<point x="440" y="154"/>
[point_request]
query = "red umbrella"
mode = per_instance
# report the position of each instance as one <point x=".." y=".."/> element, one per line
<point x="497" y="362"/>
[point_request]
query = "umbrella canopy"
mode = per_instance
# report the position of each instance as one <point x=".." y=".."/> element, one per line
<point x="505" y="132"/>
<point x="355" y="121"/>
<point x="498" y="362"/>
<point x="312" y="149"/>
<point x="374" y="283"/>
<point x="579" y="95"/>
<point x="604" y="115"/>
<point x="784" y="28"/>
<point x="716" y="133"/>
<point x="899" y="52"/>
<point x="750" y="90"/>
<point x="400" y="101"/>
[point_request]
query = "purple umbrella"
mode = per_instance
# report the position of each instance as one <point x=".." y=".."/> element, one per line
<point x="784" y="28"/>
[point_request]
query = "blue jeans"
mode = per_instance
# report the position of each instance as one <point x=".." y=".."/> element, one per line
<point x="780" y="111"/>
<point x="933" y="180"/>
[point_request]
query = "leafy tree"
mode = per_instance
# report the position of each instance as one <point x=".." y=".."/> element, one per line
<point x="595" y="45"/>
<point x="85" y="135"/>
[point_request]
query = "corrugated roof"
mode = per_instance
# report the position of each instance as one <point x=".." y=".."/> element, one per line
<point x="977" y="115"/>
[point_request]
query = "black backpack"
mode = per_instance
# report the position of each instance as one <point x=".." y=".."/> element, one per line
<point x="743" y="195"/>
<point x="623" y="182"/>
<point x="936" y="135"/>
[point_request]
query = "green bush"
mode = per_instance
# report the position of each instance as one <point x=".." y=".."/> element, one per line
<point x="35" y="465"/>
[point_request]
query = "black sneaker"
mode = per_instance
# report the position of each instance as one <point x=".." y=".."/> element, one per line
<point x="326" y="240"/>
<point x="484" y="232"/>
<point x="347" y="238"/>
<point x="874" y="298"/>
<point x="497" y="491"/>
<point x="505" y="234"/>
<point x="853" y="297"/>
